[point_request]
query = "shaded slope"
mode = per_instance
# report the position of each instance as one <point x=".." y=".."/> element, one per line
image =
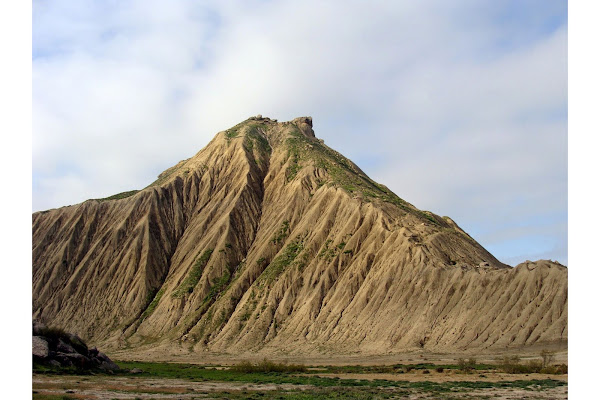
<point x="268" y="239"/>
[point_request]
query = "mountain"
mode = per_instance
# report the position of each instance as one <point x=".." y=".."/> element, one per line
<point x="268" y="240"/>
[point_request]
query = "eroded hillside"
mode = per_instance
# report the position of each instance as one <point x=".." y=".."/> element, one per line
<point x="269" y="240"/>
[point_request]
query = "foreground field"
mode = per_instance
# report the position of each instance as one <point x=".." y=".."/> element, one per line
<point x="278" y="381"/>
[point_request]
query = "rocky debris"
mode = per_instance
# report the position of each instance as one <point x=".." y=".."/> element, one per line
<point x="56" y="348"/>
<point x="40" y="347"/>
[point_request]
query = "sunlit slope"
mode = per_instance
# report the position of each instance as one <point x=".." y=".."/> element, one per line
<point x="268" y="240"/>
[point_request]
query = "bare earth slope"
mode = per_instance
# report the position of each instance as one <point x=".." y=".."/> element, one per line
<point x="267" y="240"/>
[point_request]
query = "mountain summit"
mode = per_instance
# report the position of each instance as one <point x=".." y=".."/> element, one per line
<point x="268" y="240"/>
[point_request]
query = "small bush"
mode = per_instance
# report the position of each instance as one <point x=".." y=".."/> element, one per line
<point x="54" y="333"/>
<point x="466" y="365"/>
<point x="555" y="369"/>
<point x="512" y="365"/>
<point x="547" y="357"/>
<point x="439" y="369"/>
<point x="266" y="366"/>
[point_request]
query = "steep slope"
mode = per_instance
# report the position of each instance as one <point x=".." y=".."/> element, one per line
<point x="268" y="240"/>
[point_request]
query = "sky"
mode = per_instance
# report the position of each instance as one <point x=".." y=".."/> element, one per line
<point x="458" y="107"/>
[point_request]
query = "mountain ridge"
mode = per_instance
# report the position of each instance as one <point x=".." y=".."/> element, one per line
<point x="267" y="239"/>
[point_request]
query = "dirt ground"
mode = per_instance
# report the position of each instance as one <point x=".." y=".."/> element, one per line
<point x="136" y="387"/>
<point x="106" y="387"/>
<point x="183" y="355"/>
<point x="131" y="387"/>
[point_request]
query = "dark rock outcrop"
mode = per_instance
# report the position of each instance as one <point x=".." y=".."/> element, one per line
<point x="56" y="348"/>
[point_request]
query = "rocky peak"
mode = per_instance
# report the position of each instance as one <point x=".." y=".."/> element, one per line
<point x="305" y="124"/>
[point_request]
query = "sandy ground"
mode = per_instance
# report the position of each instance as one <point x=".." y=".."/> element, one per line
<point x="107" y="387"/>
<point x="418" y="376"/>
<point x="183" y="355"/>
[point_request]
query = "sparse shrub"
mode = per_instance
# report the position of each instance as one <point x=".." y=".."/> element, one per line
<point x="54" y="333"/>
<point x="439" y="369"/>
<point x="555" y="369"/>
<point x="282" y="233"/>
<point x="267" y="366"/>
<point x="533" y="366"/>
<point x="512" y="365"/>
<point x="547" y="358"/>
<point x="466" y="365"/>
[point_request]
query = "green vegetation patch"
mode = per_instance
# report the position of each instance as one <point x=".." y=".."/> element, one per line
<point x="328" y="253"/>
<point x="314" y="386"/>
<point x="342" y="172"/>
<point x="118" y="196"/>
<point x="155" y="298"/>
<point x="269" y="372"/>
<point x="193" y="277"/>
<point x="218" y="286"/>
<point x="282" y="261"/>
<point x="168" y="173"/>
<point x="256" y="138"/>
<point x="282" y="233"/>
<point x="232" y="133"/>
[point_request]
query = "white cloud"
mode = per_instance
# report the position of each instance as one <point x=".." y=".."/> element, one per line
<point x="463" y="106"/>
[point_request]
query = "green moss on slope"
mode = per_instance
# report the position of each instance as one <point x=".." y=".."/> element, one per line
<point x="191" y="280"/>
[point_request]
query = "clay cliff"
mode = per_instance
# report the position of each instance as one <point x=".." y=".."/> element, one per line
<point x="269" y="240"/>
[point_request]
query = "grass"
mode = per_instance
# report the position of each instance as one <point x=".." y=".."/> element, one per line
<point x="232" y="133"/>
<point x="164" y="176"/>
<point x="191" y="280"/>
<point x="342" y="172"/>
<point x="218" y="286"/>
<point x="328" y="253"/>
<point x="156" y="296"/>
<point x="315" y="386"/>
<point x="282" y="233"/>
<point x="118" y="196"/>
<point x="282" y="261"/>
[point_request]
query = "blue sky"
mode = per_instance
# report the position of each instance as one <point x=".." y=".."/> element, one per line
<point x="459" y="107"/>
